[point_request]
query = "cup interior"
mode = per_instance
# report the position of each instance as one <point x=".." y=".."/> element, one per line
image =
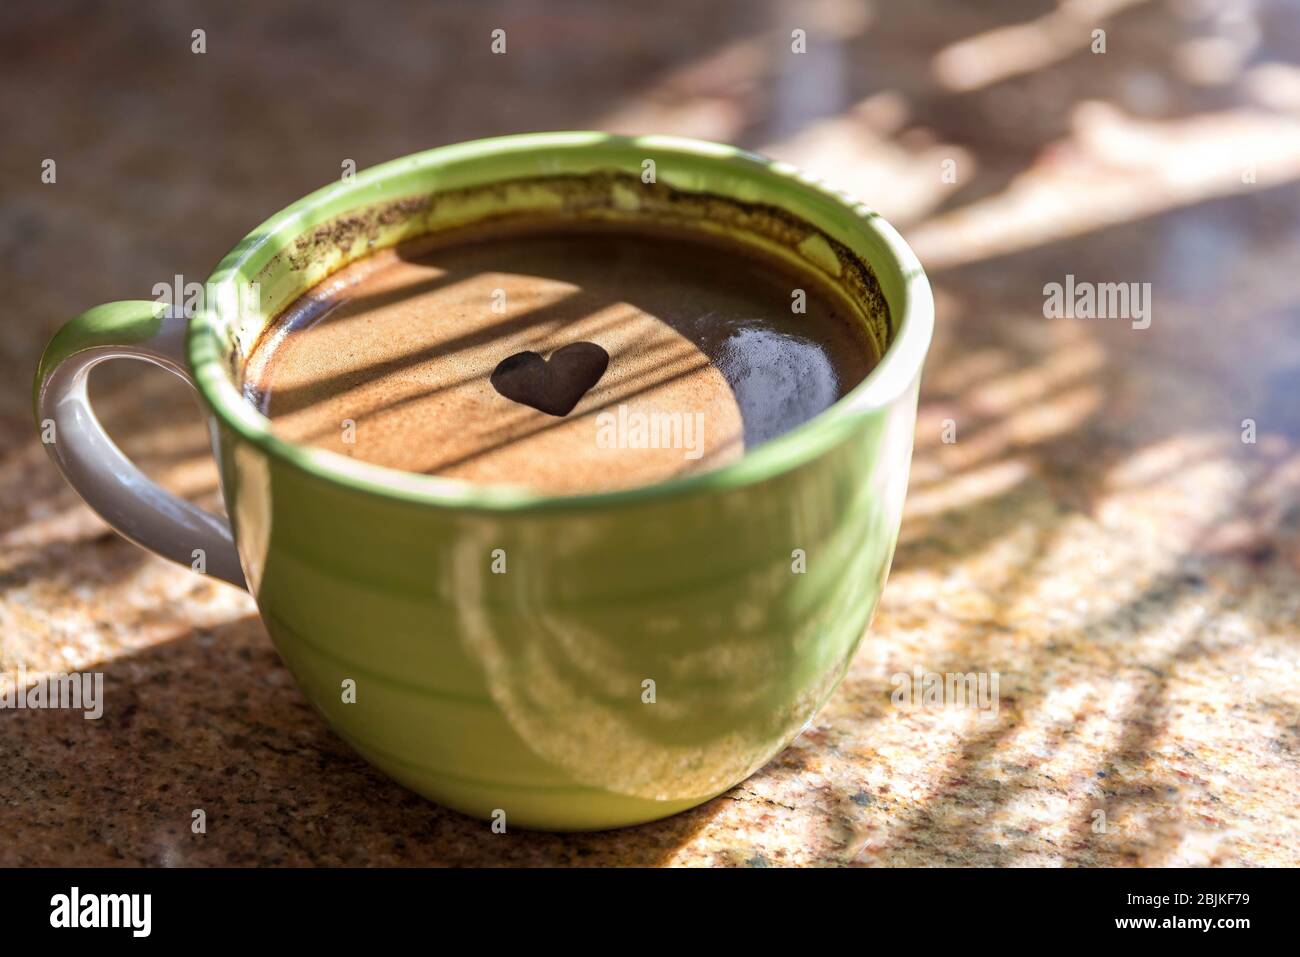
<point x="563" y="179"/>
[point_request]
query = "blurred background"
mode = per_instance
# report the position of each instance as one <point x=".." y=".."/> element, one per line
<point x="1115" y="529"/>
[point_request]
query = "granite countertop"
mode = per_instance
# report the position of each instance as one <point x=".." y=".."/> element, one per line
<point x="1106" y="516"/>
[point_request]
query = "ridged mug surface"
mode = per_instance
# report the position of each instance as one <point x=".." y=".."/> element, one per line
<point x="643" y="651"/>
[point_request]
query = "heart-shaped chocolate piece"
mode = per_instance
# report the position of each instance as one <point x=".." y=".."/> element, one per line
<point x="552" y="386"/>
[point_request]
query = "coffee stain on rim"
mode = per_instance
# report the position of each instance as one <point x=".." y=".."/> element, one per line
<point x="598" y="197"/>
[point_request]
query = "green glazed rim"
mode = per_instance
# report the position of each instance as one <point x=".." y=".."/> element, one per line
<point x="858" y="227"/>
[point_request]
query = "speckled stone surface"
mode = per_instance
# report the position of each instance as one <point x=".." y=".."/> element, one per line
<point x="1084" y="519"/>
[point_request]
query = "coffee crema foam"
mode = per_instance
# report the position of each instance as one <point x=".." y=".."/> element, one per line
<point x="440" y="356"/>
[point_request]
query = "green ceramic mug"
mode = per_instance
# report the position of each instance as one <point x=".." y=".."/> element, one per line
<point x="646" y="649"/>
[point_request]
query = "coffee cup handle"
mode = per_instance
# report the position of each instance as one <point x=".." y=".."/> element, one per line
<point x="125" y="497"/>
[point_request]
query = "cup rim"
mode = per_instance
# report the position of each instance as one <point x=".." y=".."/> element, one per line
<point x="896" y="370"/>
